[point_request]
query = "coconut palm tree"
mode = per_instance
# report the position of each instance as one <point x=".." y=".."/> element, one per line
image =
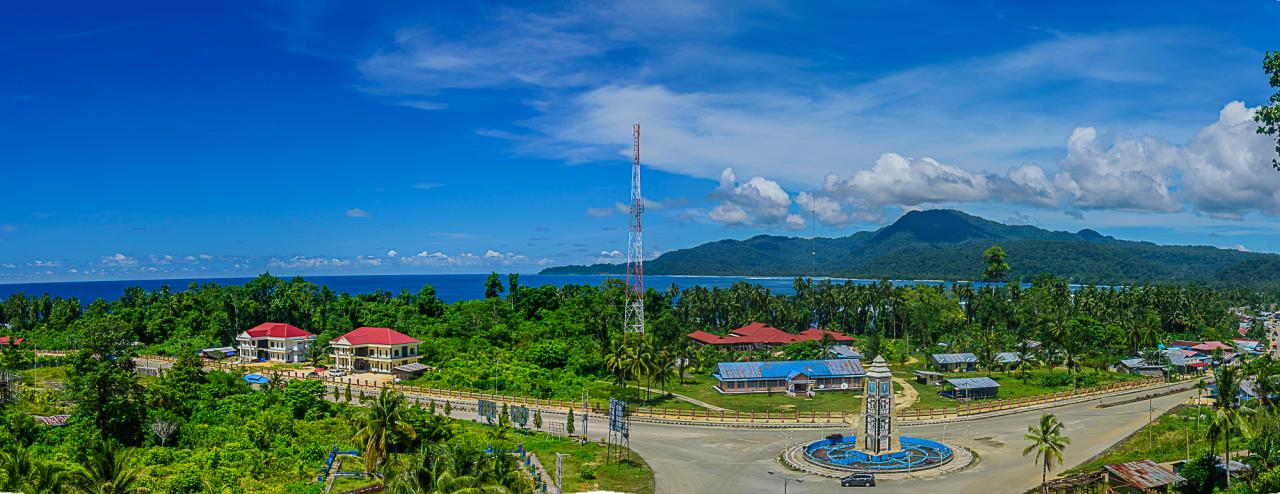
<point x="105" y="471"/>
<point x="1048" y="443"/>
<point x="1228" y="411"/>
<point x="378" y="428"/>
<point x="44" y="478"/>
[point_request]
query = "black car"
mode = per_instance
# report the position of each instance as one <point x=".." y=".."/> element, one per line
<point x="858" y="480"/>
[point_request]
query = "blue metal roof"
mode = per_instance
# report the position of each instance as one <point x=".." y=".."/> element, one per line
<point x="954" y="358"/>
<point x="1008" y="357"/>
<point x="783" y="368"/>
<point x="973" y="382"/>
<point x="844" y="351"/>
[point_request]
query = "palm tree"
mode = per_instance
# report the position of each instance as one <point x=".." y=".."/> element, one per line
<point x="381" y="422"/>
<point x="44" y="478"/>
<point x="105" y="471"/>
<point x="1048" y="442"/>
<point x="1201" y="387"/>
<point x="1228" y="410"/>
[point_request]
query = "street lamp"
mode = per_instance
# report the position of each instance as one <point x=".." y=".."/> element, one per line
<point x="786" y="480"/>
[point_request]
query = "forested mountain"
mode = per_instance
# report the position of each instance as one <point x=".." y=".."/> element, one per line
<point x="948" y="244"/>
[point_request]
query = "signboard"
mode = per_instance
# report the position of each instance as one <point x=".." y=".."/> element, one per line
<point x="487" y="409"/>
<point x="519" y="415"/>
<point x="617" y="416"/>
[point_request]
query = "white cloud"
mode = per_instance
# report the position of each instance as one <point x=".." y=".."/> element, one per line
<point x="758" y="201"/>
<point x="599" y="212"/>
<point x="357" y="213"/>
<point x="610" y="253"/>
<point x="828" y="211"/>
<point x="392" y="253"/>
<point x="896" y="180"/>
<point x="9" y="265"/>
<point x="309" y="262"/>
<point x="1227" y="169"/>
<point x="1131" y="175"/>
<point x="427" y="185"/>
<point x="119" y="259"/>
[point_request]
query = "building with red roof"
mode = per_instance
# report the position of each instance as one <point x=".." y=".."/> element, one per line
<point x="374" y="349"/>
<point x="8" y="341"/>
<point x="759" y="335"/>
<point x="275" y="342"/>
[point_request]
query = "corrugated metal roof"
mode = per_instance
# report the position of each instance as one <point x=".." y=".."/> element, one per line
<point x="845" y="351"/>
<point x="1008" y="357"/>
<point x="973" y="382"/>
<point x="780" y="369"/>
<point x="1144" y="474"/>
<point x="954" y="358"/>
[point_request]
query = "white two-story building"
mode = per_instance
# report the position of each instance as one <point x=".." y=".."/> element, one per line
<point x="274" y="342"/>
<point x="373" y="350"/>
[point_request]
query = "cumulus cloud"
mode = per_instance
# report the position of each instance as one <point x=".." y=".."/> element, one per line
<point x="357" y="213"/>
<point x="758" y="202"/>
<point x="1226" y="169"/>
<point x="296" y="262"/>
<point x="392" y="253"/>
<point x="1131" y="175"/>
<point x="119" y="259"/>
<point x="610" y="253"/>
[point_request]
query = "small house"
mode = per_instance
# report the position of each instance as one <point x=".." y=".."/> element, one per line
<point x="1008" y="359"/>
<point x="953" y="362"/>
<point x="844" y="351"/>
<point x="409" y="371"/>
<point x="1142" y="476"/>
<point x="972" y="388"/>
<point x="929" y="378"/>
<point x="218" y="353"/>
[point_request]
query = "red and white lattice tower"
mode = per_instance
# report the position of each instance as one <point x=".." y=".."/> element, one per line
<point x="634" y="320"/>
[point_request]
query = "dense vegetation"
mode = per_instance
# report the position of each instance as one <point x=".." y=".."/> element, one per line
<point x="554" y="341"/>
<point x="948" y="245"/>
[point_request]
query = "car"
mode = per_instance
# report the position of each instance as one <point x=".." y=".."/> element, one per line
<point x="858" y="480"/>
<point x="337" y="372"/>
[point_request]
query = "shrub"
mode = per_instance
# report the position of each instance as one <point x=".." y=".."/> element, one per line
<point x="588" y="471"/>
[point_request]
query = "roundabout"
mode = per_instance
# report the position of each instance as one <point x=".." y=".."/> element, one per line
<point x="882" y="449"/>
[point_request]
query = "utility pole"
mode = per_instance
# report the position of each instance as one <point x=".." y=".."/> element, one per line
<point x="1150" y="418"/>
<point x="586" y="410"/>
<point x="786" y="480"/>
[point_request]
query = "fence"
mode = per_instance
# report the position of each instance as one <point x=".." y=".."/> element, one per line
<point x="693" y="415"/>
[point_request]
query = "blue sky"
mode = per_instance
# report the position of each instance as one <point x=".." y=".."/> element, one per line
<point x="173" y="139"/>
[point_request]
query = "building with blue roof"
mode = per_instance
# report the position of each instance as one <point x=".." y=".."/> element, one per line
<point x="954" y="362"/>
<point x="972" y="388"/>
<point x="793" y="377"/>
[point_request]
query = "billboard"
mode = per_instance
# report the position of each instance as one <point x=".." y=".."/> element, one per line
<point x="617" y="416"/>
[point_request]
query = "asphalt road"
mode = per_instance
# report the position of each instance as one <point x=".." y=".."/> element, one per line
<point x="704" y="460"/>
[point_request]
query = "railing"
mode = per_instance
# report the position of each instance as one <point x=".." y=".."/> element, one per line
<point x="691" y="415"/>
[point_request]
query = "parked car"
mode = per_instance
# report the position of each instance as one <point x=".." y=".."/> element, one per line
<point x="337" y="372"/>
<point x="858" y="480"/>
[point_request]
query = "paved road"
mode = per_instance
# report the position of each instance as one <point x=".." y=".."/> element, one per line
<point x="718" y="461"/>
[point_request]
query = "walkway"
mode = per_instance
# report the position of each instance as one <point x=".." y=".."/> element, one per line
<point x="681" y="397"/>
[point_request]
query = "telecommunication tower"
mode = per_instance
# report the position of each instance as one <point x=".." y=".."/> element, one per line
<point x="634" y="319"/>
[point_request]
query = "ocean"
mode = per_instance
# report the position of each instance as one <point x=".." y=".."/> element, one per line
<point x="449" y="287"/>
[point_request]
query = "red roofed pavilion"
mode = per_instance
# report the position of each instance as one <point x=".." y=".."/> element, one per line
<point x="759" y="335"/>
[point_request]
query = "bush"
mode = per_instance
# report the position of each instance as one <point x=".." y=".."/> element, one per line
<point x="1055" y="379"/>
<point x="588" y="471"/>
<point x="1201" y="476"/>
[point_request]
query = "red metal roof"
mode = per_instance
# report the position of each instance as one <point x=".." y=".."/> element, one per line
<point x="277" y="330"/>
<point x="758" y="332"/>
<point x="1198" y="364"/>
<point x="377" y="336"/>
<point x="1210" y="346"/>
<point x="4" y="340"/>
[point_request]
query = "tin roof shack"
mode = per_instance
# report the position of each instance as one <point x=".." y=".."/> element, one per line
<point x="794" y="377"/>
<point x="218" y="353"/>
<point x="972" y="388"/>
<point x="409" y="371"/>
<point x="1142" y="476"/>
<point x="930" y="378"/>
<point x="953" y="362"/>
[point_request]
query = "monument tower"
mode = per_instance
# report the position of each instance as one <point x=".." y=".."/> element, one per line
<point x="879" y="430"/>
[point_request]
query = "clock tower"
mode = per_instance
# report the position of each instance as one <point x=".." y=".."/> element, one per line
<point x="879" y="429"/>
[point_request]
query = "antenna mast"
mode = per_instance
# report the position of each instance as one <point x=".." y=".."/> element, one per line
<point x="634" y="321"/>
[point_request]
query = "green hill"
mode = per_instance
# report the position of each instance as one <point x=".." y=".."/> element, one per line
<point x="948" y="245"/>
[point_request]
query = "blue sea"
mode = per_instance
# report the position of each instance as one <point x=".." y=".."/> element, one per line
<point x="449" y="287"/>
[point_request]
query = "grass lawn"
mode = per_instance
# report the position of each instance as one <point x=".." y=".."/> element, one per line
<point x="700" y="388"/>
<point x="632" y="475"/>
<point x="1038" y="382"/>
<point x="1165" y="440"/>
<point x="40" y="376"/>
<point x="351" y="465"/>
